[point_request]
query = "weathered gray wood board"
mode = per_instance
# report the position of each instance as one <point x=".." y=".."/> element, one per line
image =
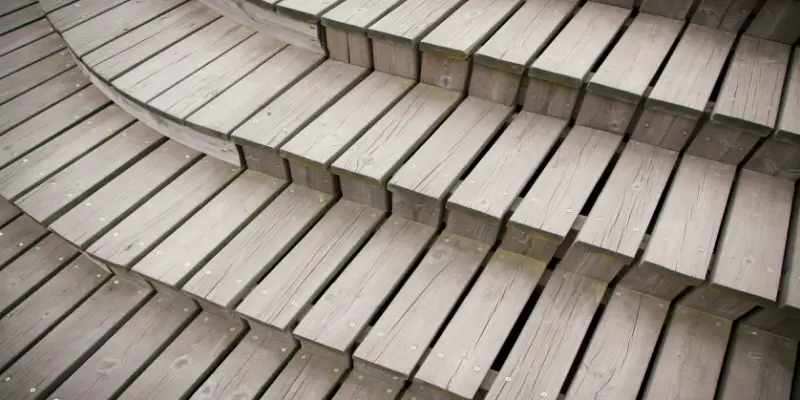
<point x="37" y="166"/>
<point x="777" y="158"/>
<point x="199" y="88"/>
<point x="167" y="68"/>
<point x="789" y="293"/>
<point x="306" y="10"/>
<point x="718" y="301"/>
<point x="144" y="228"/>
<point x="22" y="36"/>
<point x="420" y="186"/>
<point x="39" y="98"/>
<point x="364" y="387"/>
<point x="675" y="9"/>
<point x="279" y="121"/>
<point x="13" y="5"/>
<point x="464" y="353"/>
<point x="247" y="370"/>
<point x="33" y="75"/>
<point x="788" y="129"/>
<point x="62" y="191"/>
<point x="480" y="204"/>
<point x="686" y="229"/>
<point x="79" y="12"/>
<point x="36" y="131"/>
<point x="616" y="360"/>
<point x="129" y="50"/>
<point x="759" y="365"/>
<point x="384" y="147"/>
<point x="620" y="82"/>
<point x="104" y="208"/>
<point x="251" y="93"/>
<point x="291" y="287"/>
<point x="51" y="5"/>
<point x="725" y="15"/>
<point x="777" y="21"/>
<point x="679" y="97"/>
<point x="305" y="377"/>
<point x="350" y="47"/>
<point x="252" y="253"/>
<point x="557" y="75"/>
<point x="129" y="350"/>
<point x="616" y="225"/>
<point x="552" y="205"/>
<point x="400" y="337"/>
<point x="544" y="351"/>
<point x="7" y="212"/>
<point x="346" y="29"/>
<point x="180" y="255"/>
<point x="780" y="321"/>
<point x="689" y="360"/>
<point x="350" y="303"/>
<point x="31" y="270"/>
<point x="188" y="359"/>
<point x="25" y="56"/>
<point x="19" y="18"/>
<point x="17" y="237"/>
<point x="116" y="22"/>
<point x="63" y="349"/>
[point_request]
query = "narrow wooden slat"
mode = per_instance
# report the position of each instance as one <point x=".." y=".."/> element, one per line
<point x="19" y="18"/>
<point x="79" y="12"/>
<point x="13" y="5"/>
<point x="345" y="309"/>
<point x="307" y="376"/>
<point x="725" y="15"/>
<point x="777" y="21"/>
<point x="789" y="294"/>
<point x="143" y="229"/>
<point x="185" y="363"/>
<point x="544" y="352"/>
<point x="227" y="111"/>
<point x="33" y="75"/>
<point x="32" y="269"/>
<point x="110" y="368"/>
<point x="179" y="256"/>
<point x="252" y="253"/>
<point x="66" y="346"/>
<point x="25" y="56"/>
<point x="398" y="340"/>
<point x="51" y="5"/>
<point x="363" y="387"/>
<point x="17" y="237"/>
<point x="616" y="360"/>
<point x="18" y="38"/>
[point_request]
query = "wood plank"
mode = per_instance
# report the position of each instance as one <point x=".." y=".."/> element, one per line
<point x="7" y="212"/>
<point x="252" y="92"/>
<point x="776" y="21"/>
<point x="38" y="130"/>
<point x="180" y="255"/>
<point x="129" y="350"/>
<point x="31" y="270"/>
<point x="305" y="10"/>
<point x="789" y="294"/>
<point x="32" y="76"/>
<point x="25" y="56"/>
<point x="74" y="183"/>
<point x="760" y="365"/>
<point x="13" y="5"/>
<point x="79" y="12"/>
<point x="199" y="88"/>
<point x="616" y="360"/>
<point x="167" y="68"/>
<point x="40" y="164"/>
<point x="725" y="15"/>
<point x="65" y="347"/>
<point x="363" y="387"/>
<point x="29" y="33"/>
<point x="551" y="206"/>
<point x="307" y="377"/>
<point x="144" y="228"/>
<point x="675" y="9"/>
<point x="129" y="50"/>
<point x="187" y="361"/>
<point x="247" y="371"/>
<point x="114" y="23"/>
<point x="398" y="340"/>
<point x="351" y="302"/>
<point x="619" y="218"/>
<point x="777" y="158"/>
<point x="344" y="15"/>
<point x="18" y="236"/>
<point x="252" y="253"/>
<point x="411" y="20"/>
<point x="788" y="128"/>
<point x="480" y="204"/>
<point x="19" y="18"/>
<point x="543" y="354"/>
<point x="51" y="5"/>
<point x="463" y="354"/>
<point x="109" y="204"/>
<point x="690" y="358"/>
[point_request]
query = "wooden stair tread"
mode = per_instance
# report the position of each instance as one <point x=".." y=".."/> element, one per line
<point x="343" y="16"/>
<point x="776" y="21"/>
<point x="77" y="13"/>
<point x="723" y="15"/>
<point x="19" y="235"/>
<point x="305" y="377"/>
<point x="410" y="21"/>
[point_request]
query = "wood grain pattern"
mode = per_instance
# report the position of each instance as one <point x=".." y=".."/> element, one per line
<point x="616" y="360"/>
<point x="726" y="15"/>
<point x="144" y="228"/>
<point x="25" y="56"/>
<point x="17" y="236"/>
<point x="722" y="143"/>
<point x="363" y="387"/>
<point x="306" y="377"/>
<point x="20" y="37"/>
<point x="79" y="12"/>
<point x="350" y="303"/>
<point x="50" y="5"/>
<point x="401" y="335"/>
<point x="776" y="21"/>
<point x="445" y="72"/>
<point x="788" y="128"/>
<point x="605" y="113"/>
<point x="13" y="5"/>
<point x="306" y="10"/>
<point x="411" y="20"/>
<point x="396" y="59"/>
<point x="20" y="18"/>
<point x="544" y="352"/>
<point x="776" y="158"/>
<point x="492" y="84"/>
<point x="110" y="368"/>
<point x="344" y="16"/>
<point x="664" y="128"/>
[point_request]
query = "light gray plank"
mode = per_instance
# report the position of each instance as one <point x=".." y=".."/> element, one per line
<point x="180" y="255"/>
<point x="307" y="377"/>
<point x="363" y="387"/>
<point x="79" y="12"/>
<point x="18" y="38"/>
<point x="19" y="18"/>
<point x="25" y="56"/>
<point x="777" y="21"/>
<point x="675" y="9"/>
<point x="13" y="5"/>
<point x="33" y="75"/>
<point x="411" y="20"/>
<point x="788" y="128"/>
<point x="726" y="15"/>
<point x="129" y="350"/>
<point x="181" y="367"/>
<point x="690" y="357"/>
<point x="344" y="16"/>
<point x="18" y="236"/>
<point x="544" y="352"/>
<point x="143" y="229"/>
<point x="306" y="10"/>
<point x="252" y="92"/>
<point x="463" y="354"/>
<point x="625" y="339"/>
<point x="104" y="208"/>
<point x="252" y="253"/>
<point x="400" y="337"/>
<point x="50" y="5"/>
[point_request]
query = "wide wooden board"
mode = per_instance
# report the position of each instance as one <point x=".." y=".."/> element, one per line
<point x="306" y="377"/>
<point x="358" y="15"/>
<point x="411" y="20"/>
<point x="18" y="236"/>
